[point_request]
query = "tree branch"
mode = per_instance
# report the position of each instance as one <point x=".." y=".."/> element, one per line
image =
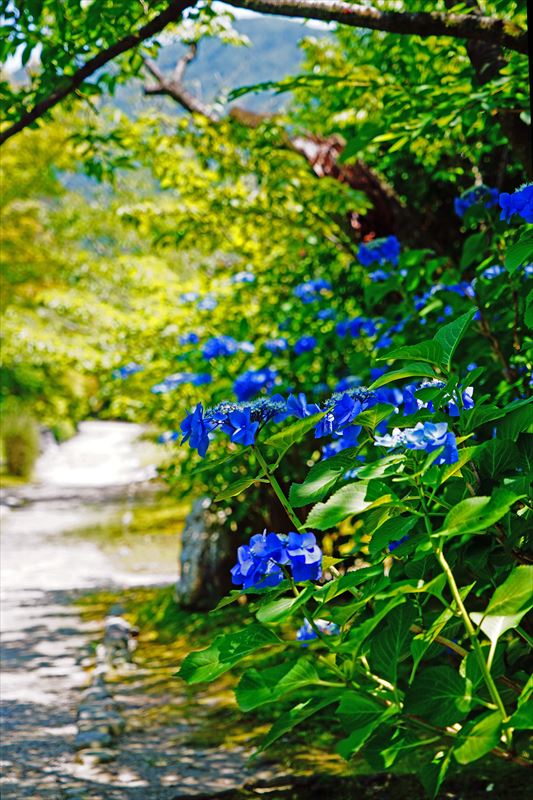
<point x="491" y="30"/>
<point x="171" y="14"/>
<point x="174" y="88"/>
<point x="421" y="23"/>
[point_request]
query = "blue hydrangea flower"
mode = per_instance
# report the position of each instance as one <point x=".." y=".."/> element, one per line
<point x="306" y="632"/>
<point x="297" y="406"/>
<point x="189" y="297"/>
<point x="520" y="202"/>
<point x="240" y="427"/>
<point x="189" y="338"/>
<point x="195" y="431"/>
<point x="259" y="564"/>
<point x="326" y="313"/>
<point x="426" y="436"/>
<point x="378" y="276"/>
<point x="224" y="346"/>
<point x="349" y="382"/>
<point x="305" y="556"/>
<point x="380" y="251"/>
<point x="252" y="382"/>
<point x="168" y="436"/>
<point x="243" y="277"/>
<point x="127" y="370"/>
<point x="493" y="272"/>
<point x="477" y="195"/>
<point x="349" y="437"/>
<point x="178" y="379"/>
<point x="308" y="291"/>
<point x="208" y="303"/>
<point x="305" y="344"/>
<point x="276" y="345"/>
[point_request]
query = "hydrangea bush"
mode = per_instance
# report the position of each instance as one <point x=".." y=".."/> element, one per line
<point x="389" y="421"/>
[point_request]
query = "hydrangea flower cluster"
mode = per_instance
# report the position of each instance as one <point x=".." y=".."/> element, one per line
<point x="426" y="436"/>
<point x="127" y="370"/>
<point x="412" y="404"/>
<point x="207" y="303"/>
<point x="306" y="633"/>
<point x="493" y="272"/>
<point x="305" y="344"/>
<point x="477" y="195"/>
<point x="189" y="338"/>
<point x="224" y="346"/>
<point x="276" y="345"/>
<point x="380" y="251"/>
<point x="261" y="563"/>
<point x="178" y="379"/>
<point x="252" y="382"/>
<point x="355" y="327"/>
<point x="243" y="277"/>
<point x="520" y="202"/>
<point x="310" y="290"/>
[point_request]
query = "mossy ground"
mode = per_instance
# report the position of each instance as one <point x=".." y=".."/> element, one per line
<point x="213" y="719"/>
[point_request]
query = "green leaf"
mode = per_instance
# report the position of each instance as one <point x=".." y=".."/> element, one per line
<point x="297" y="715"/>
<point x="388" y="645"/>
<point x="284" y="607"/>
<point x="432" y="775"/>
<point x="449" y="336"/>
<point x="522" y="719"/>
<point x="375" y="415"/>
<point x="473" y="249"/>
<point x="284" y="440"/>
<point x="349" y="500"/>
<point x="496" y="457"/>
<point x="415" y="370"/>
<point x="478" y="738"/>
<point x="508" y="604"/>
<point x="360" y="714"/>
<point x="440" y="695"/>
<point x="476" y="514"/>
<point x="519" y="253"/>
<point x="516" y="421"/>
<point x="236" y="488"/>
<point x="466" y="454"/>
<point x="429" y="350"/>
<point x="256" y="688"/>
<point x="225" y="651"/>
<point x="321" y="478"/>
<point x="391" y="530"/>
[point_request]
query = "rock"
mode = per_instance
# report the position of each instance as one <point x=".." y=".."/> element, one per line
<point x="207" y="554"/>
<point x="92" y="738"/>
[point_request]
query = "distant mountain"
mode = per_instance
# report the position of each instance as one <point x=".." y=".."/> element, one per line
<point x="272" y="55"/>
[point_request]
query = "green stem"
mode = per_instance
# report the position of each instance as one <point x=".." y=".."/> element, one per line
<point x="279" y="491"/>
<point x="467" y="622"/>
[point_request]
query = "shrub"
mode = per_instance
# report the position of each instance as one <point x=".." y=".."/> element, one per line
<point x="21" y="444"/>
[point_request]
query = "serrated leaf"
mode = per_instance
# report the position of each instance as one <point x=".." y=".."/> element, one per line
<point x="297" y="715"/>
<point x="476" y="514"/>
<point x="439" y="694"/>
<point x="236" y="488"/>
<point x="429" y="350"/>
<point x="360" y="715"/>
<point x="373" y="416"/>
<point x="415" y="370"/>
<point x="321" y="478"/>
<point x="509" y="603"/>
<point x="478" y="738"/>
<point x="284" y="439"/>
<point x="449" y="336"/>
<point x="519" y="253"/>
<point x="516" y="421"/>
<point x="388" y="645"/>
<point x="256" y="688"/>
<point x="284" y="607"/>
<point x="473" y="249"/>
<point x="225" y="651"/>
<point x="496" y="457"/>
<point x="392" y="529"/>
<point x="346" y="502"/>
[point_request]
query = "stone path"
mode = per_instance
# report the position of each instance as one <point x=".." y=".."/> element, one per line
<point x="46" y="561"/>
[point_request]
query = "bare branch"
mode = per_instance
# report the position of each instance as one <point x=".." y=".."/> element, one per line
<point x="174" y="88"/>
<point x="171" y="14"/>
<point x="421" y="23"/>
